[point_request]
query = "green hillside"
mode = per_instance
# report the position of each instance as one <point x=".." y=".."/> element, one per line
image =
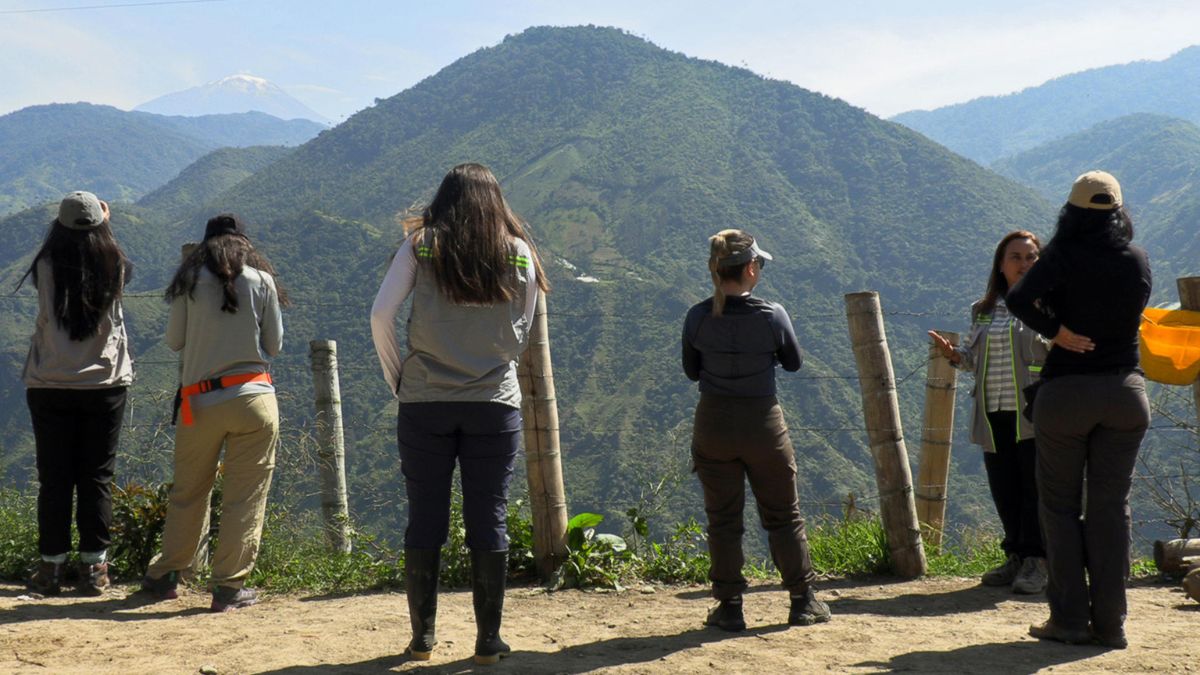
<point x="993" y="127"/>
<point x="49" y="150"/>
<point x="210" y="175"/>
<point x="1157" y="160"/>
<point x="624" y="157"/>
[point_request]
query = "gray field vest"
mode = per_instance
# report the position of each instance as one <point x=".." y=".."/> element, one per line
<point x="465" y="352"/>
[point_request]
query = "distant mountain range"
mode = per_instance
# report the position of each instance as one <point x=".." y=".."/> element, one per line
<point x="1157" y="160"/>
<point x="624" y="158"/>
<point x="233" y="94"/>
<point x="993" y="127"/>
<point x="48" y="150"/>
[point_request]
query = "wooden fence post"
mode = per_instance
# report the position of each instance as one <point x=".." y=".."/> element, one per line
<point x="543" y="457"/>
<point x="893" y="478"/>
<point x="933" y="469"/>
<point x="1189" y="298"/>
<point x="331" y="444"/>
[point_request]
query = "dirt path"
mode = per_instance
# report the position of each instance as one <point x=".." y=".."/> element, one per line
<point x="944" y="625"/>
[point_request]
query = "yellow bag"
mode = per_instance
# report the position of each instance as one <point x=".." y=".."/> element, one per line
<point x="1170" y="345"/>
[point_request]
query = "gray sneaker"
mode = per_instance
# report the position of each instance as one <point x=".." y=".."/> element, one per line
<point x="1031" y="579"/>
<point x="227" y="598"/>
<point x="1003" y="575"/>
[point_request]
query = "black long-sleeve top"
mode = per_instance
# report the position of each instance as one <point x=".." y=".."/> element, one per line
<point x="1096" y="290"/>
<point x="735" y="354"/>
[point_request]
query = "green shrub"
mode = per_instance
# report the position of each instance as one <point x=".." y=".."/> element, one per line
<point x="18" y="534"/>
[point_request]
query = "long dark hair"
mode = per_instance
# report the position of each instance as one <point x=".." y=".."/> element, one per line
<point x="224" y="255"/>
<point x="1108" y="228"/>
<point x="89" y="271"/>
<point x="997" y="284"/>
<point x="468" y="227"/>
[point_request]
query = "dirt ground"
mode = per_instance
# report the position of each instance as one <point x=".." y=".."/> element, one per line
<point x="942" y="625"/>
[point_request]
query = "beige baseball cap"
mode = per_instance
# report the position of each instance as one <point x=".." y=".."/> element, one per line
<point x="1095" y="190"/>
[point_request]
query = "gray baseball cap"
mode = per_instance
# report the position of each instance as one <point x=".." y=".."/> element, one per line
<point x="80" y="211"/>
<point x="744" y="256"/>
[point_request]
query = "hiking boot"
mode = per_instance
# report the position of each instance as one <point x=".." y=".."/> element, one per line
<point x="1003" y="575"/>
<point x="1114" y="639"/>
<point x="46" y="579"/>
<point x="1031" y="579"/>
<point x="93" y="578"/>
<point x="489" y="574"/>
<point x="165" y="587"/>
<point x="228" y="598"/>
<point x="1052" y="631"/>
<point x="807" y="610"/>
<point x="421" y="586"/>
<point x="727" y="615"/>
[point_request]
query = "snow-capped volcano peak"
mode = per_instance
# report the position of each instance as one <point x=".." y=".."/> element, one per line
<point x="233" y="94"/>
<point x="244" y="82"/>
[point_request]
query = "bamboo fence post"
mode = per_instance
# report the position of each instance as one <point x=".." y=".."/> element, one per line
<point x="1189" y="298"/>
<point x="893" y="478"/>
<point x="543" y="456"/>
<point x="331" y="444"/>
<point x="941" y="384"/>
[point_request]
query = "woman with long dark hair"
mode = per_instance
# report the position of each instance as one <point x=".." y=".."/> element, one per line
<point x="1006" y="357"/>
<point x="474" y="275"/>
<point x="76" y="377"/>
<point x="732" y="343"/>
<point x="1087" y="293"/>
<point x="225" y="320"/>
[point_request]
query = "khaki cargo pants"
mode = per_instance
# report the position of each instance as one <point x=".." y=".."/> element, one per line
<point x="248" y="428"/>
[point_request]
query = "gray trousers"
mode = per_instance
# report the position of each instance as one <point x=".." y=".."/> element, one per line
<point x="1088" y="425"/>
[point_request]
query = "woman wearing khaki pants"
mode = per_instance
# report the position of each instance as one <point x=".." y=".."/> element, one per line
<point x="225" y="319"/>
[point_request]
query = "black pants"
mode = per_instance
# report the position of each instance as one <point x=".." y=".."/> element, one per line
<point x="482" y="438"/>
<point x="740" y="439"/>
<point x="76" y="431"/>
<point x="1012" y="477"/>
<point x="1088" y="425"/>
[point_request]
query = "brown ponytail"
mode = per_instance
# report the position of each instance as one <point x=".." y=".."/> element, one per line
<point x="722" y="245"/>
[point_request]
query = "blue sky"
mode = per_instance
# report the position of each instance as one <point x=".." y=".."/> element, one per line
<point x="337" y="56"/>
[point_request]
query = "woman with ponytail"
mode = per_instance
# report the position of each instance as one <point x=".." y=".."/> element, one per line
<point x="225" y="320"/>
<point x="77" y="374"/>
<point x="731" y="345"/>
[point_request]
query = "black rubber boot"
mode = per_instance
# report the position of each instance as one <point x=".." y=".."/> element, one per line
<point x="421" y="585"/>
<point x="489" y="571"/>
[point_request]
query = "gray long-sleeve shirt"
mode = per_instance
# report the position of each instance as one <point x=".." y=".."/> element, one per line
<point x="216" y="343"/>
<point x="735" y="354"/>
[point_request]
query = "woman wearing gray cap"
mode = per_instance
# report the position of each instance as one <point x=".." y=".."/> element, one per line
<point x="225" y="321"/>
<point x="1087" y="293"/>
<point x="76" y="374"/>
<point x="731" y="345"/>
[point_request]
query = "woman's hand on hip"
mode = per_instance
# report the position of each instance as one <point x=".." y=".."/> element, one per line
<point x="1072" y="341"/>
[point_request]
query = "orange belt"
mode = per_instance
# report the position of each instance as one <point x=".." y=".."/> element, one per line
<point x="204" y="386"/>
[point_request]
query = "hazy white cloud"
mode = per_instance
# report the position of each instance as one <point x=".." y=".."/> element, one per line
<point x="896" y="66"/>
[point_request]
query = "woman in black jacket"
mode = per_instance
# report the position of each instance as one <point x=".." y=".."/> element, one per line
<point x="731" y="345"/>
<point x="1086" y="293"/>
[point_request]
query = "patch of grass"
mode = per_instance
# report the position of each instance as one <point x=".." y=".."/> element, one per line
<point x="848" y="547"/>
